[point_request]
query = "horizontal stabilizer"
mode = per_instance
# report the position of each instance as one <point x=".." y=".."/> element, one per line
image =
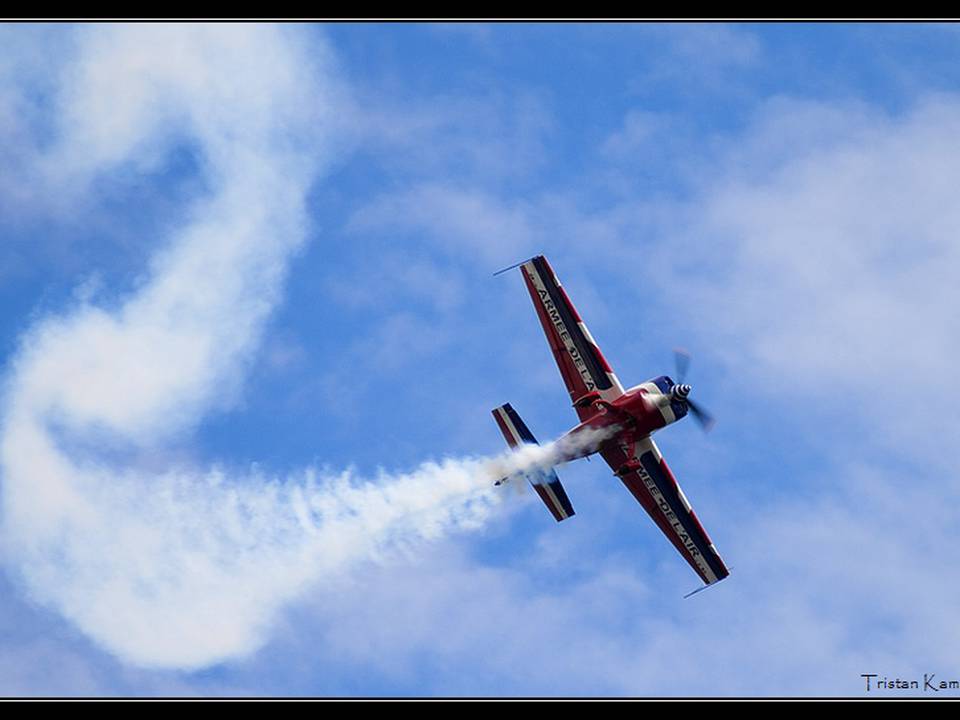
<point x="545" y="482"/>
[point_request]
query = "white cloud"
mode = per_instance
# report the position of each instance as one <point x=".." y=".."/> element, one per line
<point x="495" y="136"/>
<point x="822" y="591"/>
<point x="818" y="260"/>
<point x="831" y="268"/>
<point x="698" y="58"/>
<point x="184" y="568"/>
<point x="640" y="131"/>
<point x="456" y="221"/>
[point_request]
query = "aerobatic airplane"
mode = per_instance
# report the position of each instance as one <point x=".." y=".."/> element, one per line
<point x="614" y="422"/>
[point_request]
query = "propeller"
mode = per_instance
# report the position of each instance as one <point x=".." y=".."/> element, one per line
<point x="681" y="358"/>
<point x="681" y="391"/>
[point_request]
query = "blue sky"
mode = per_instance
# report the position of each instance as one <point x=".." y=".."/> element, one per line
<point x="251" y="341"/>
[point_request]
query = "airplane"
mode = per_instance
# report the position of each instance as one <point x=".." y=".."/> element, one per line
<point x="616" y="423"/>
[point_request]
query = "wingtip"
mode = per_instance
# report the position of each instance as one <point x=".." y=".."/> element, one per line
<point x="708" y="585"/>
<point x="516" y="265"/>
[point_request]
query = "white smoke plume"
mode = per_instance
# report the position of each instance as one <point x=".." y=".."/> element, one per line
<point x="184" y="568"/>
<point x="525" y="458"/>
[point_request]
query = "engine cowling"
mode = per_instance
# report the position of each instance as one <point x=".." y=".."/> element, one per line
<point x="657" y="402"/>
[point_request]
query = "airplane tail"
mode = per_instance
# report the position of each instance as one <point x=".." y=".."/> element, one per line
<point x="546" y="483"/>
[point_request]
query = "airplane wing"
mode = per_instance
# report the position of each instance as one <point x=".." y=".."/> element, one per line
<point x="643" y="470"/>
<point x="585" y="372"/>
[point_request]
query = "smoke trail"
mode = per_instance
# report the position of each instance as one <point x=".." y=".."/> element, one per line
<point x="184" y="568"/>
<point x="543" y="457"/>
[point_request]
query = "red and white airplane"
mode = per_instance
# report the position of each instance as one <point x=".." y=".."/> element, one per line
<point x="615" y="423"/>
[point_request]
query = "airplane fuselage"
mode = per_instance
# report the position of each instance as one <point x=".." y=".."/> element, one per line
<point x="614" y="422"/>
<point x="638" y="412"/>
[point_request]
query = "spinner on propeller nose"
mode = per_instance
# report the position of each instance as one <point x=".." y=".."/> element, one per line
<point x="680" y="391"/>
